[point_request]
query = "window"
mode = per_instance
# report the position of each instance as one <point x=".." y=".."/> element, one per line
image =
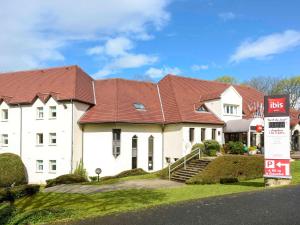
<point x="39" y="165"/>
<point x="52" y="138"/>
<point x="4" y="139"/>
<point x="134" y="146"/>
<point x="213" y="134"/>
<point x="39" y="138"/>
<point x="202" y="134"/>
<point x="39" y="113"/>
<point x="150" y="152"/>
<point x="116" y="144"/>
<point x="4" y="114"/>
<point x="52" y="165"/>
<point x="52" y="110"/>
<point x="231" y="109"/>
<point x="192" y="132"/>
<point x="139" y="106"/>
<point x="201" y="108"/>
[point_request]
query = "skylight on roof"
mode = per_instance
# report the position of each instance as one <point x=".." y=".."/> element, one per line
<point x="139" y="106"/>
<point x="201" y="108"/>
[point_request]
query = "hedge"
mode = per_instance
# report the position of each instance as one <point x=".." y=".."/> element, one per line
<point x="11" y="194"/>
<point x="65" y="179"/>
<point x="126" y="173"/>
<point x="12" y="170"/>
<point x="230" y="168"/>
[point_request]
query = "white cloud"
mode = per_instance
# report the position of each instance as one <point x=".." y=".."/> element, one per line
<point x="267" y="46"/>
<point x="160" y="72"/>
<point x="34" y="32"/>
<point x="225" y="16"/>
<point x="199" y="67"/>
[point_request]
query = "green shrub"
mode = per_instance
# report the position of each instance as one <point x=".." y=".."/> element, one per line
<point x="133" y="172"/>
<point x="10" y="194"/>
<point x="93" y="178"/>
<point x="230" y="168"/>
<point x="197" y="146"/>
<point x="80" y="170"/>
<point x="12" y="170"/>
<point x="65" y="179"/>
<point x="6" y="212"/>
<point x="236" y="148"/>
<point x="211" y="147"/>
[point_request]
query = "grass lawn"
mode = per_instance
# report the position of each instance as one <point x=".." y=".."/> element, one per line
<point x="65" y="207"/>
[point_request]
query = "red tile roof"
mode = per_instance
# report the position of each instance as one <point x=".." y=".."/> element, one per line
<point x="295" y="117"/>
<point x="115" y="99"/>
<point x="62" y="83"/>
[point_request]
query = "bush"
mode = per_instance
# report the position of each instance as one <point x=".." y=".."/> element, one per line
<point x="65" y="179"/>
<point x="6" y="212"/>
<point x="197" y="146"/>
<point x="236" y="148"/>
<point x="230" y="168"/>
<point x="10" y="194"/>
<point x="211" y="147"/>
<point x="80" y="170"/>
<point x="133" y="172"/>
<point x="93" y="178"/>
<point x="12" y="170"/>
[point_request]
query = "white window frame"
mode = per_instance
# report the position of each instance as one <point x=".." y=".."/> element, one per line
<point x="52" y="109"/>
<point x="4" y="112"/>
<point x="38" y="139"/>
<point x="39" y="163"/>
<point x="52" y="136"/>
<point x="4" y="138"/>
<point x="230" y="109"/>
<point x="52" y="163"/>
<point x="39" y="113"/>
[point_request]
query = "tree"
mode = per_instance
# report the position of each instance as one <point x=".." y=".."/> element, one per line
<point x="265" y="84"/>
<point x="291" y="87"/>
<point x="227" y="79"/>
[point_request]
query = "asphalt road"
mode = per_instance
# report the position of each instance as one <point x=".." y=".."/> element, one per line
<point x="276" y="206"/>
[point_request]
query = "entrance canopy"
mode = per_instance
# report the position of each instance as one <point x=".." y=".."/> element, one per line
<point x="237" y="126"/>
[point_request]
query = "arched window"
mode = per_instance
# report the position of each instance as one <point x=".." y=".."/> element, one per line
<point x="134" y="147"/>
<point x="150" y="152"/>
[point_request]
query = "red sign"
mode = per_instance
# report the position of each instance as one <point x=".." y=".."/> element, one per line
<point x="277" y="168"/>
<point x="277" y="105"/>
<point x="259" y="128"/>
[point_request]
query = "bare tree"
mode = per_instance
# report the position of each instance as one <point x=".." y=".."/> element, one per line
<point x="265" y="84"/>
<point x="290" y="86"/>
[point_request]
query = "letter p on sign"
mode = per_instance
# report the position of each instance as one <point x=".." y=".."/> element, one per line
<point x="270" y="164"/>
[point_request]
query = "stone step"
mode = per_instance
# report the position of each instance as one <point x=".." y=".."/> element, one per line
<point x="185" y="176"/>
<point x="188" y="173"/>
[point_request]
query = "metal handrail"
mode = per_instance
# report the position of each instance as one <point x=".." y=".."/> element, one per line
<point x="184" y="161"/>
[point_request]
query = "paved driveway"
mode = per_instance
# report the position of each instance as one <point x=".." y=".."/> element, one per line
<point x="87" y="189"/>
<point x="270" y="207"/>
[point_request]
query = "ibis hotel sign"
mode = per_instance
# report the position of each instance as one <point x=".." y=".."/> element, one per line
<point x="277" y="136"/>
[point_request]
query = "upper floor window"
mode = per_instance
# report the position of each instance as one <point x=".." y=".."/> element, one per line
<point x="52" y="166"/>
<point x="39" y="138"/>
<point x="116" y="142"/>
<point x="52" y="138"/>
<point x="40" y="113"/>
<point x="230" y="109"/>
<point x="4" y="139"/>
<point x="39" y="165"/>
<point x="139" y="106"/>
<point x="192" y="134"/>
<point x="4" y="114"/>
<point x="52" y="112"/>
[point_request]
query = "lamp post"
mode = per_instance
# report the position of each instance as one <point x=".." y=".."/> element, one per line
<point x="98" y="171"/>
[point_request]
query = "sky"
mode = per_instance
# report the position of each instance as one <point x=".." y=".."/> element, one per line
<point x="147" y="39"/>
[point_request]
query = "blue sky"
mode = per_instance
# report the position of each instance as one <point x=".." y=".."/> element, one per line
<point x="145" y="39"/>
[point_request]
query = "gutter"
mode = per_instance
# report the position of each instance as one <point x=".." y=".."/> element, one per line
<point x="21" y="130"/>
<point x="72" y="135"/>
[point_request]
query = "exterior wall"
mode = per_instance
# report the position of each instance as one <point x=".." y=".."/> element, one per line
<point x="97" y="147"/>
<point x="176" y="138"/>
<point x="11" y="127"/>
<point x="78" y="110"/>
<point x="231" y="97"/>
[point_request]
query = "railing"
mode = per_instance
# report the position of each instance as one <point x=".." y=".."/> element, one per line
<point x="185" y="159"/>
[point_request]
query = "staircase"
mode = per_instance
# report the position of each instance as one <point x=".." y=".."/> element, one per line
<point x="193" y="167"/>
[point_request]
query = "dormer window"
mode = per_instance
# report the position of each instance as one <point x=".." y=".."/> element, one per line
<point x="230" y="109"/>
<point x="139" y="106"/>
<point x="201" y="108"/>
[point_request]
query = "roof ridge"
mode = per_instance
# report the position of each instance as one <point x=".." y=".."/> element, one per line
<point x="37" y="69"/>
<point x="123" y="79"/>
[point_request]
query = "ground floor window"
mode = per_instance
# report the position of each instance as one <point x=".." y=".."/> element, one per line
<point x="242" y="137"/>
<point x="192" y="132"/>
<point x="150" y="152"/>
<point x="134" y="144"/>
<point x="213" y="134"/>
<point x="116" y="142"/>
<point x="202" y="134"/>
<point x="52" y="165"/>
<point x="39" y="165"/>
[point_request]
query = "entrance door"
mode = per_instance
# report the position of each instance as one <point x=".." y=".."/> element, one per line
<point x="134" y="152"/>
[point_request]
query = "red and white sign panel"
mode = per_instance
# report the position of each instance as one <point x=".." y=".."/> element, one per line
<point x="277" y="168"/>
<point x="276" y="106"/>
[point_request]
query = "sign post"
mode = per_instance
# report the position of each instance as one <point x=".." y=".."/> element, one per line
<point x="277" y="140"/>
